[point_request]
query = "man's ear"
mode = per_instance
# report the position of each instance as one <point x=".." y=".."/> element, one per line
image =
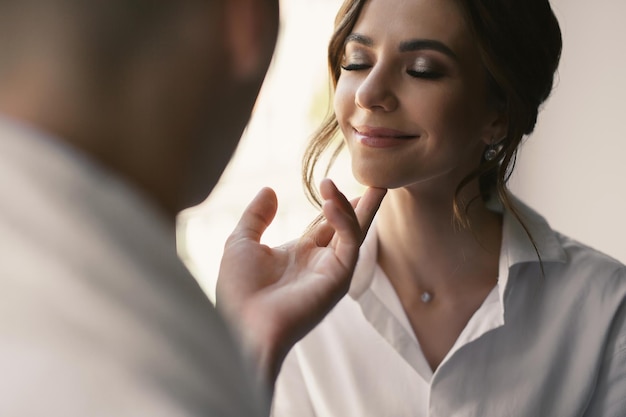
<point x="251" y="30"/>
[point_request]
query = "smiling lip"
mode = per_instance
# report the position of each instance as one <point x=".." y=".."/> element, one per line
<point x="377" y="137"/>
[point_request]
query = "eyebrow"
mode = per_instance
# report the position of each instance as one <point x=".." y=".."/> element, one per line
<point x="358" y="38"/>
<point x="406" y="46"/>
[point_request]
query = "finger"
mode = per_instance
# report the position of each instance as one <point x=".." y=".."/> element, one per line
<point x="322" y="233"/>
<point x="347" y="237"/>
<point x="336" y="206"/>
<point x="364" y="207"/>
<point x="341" y="216"/>
<point x="257" y="216"/>
<point x="350" y="235"/>
<point x="367" y="206"/>
<point x="330" y="192"/>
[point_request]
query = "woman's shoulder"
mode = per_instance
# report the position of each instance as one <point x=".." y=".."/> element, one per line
<point x="560" y="258"/>
<point x="528" y="230"/>
<point x="596" y="270"/>
<point x="583" y="255"/>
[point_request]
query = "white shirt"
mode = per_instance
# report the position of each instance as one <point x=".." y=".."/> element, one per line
<point x="540" y="345"/>
<point x="98" y="317"/>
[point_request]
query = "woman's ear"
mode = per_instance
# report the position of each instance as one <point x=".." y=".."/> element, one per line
<point x="497" y="127"/>
<point x="251" y="29"/>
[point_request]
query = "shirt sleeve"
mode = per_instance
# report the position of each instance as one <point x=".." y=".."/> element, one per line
<point x="291" y="396"/>
<point x="609" y="399"/>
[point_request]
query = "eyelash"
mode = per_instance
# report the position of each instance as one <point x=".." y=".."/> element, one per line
<point x="355" y="67"/>
<point x="428" y="75"/>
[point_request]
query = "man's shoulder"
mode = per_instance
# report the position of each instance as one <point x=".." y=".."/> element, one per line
<point x="98" y="312"/>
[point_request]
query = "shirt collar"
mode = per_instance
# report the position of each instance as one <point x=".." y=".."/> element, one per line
<point x="517" y="246"/>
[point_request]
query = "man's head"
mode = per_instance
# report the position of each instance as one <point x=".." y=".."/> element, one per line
<point x="157" y="90"/>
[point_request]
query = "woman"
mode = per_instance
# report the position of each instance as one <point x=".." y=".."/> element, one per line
<point x="464" y="301"/>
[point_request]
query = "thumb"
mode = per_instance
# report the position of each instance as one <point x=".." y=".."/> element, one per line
<point x="257" y="216"/>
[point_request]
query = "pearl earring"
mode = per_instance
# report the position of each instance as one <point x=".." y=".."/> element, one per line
<point x="493" y="149"/>
<point x="491" y="152"/>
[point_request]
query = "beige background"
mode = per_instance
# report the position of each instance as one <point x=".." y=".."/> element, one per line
<point x="572" y="169"/>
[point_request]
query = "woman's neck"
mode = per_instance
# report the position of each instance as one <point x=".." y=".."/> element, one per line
<point x="422" y="248"/>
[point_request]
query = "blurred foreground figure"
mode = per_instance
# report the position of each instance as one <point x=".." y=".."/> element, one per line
<point x="114" y="115"/>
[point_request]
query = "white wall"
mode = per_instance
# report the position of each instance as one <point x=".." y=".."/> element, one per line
<point x="572" y="169"/>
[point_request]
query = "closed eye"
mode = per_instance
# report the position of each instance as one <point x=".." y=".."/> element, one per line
<point x="355" y="67"/>
<point x="429" y="75"/>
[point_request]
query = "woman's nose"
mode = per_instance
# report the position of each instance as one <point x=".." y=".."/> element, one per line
<point x="376" y="92"/>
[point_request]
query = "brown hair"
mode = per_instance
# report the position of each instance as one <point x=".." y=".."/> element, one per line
<point x="520" y="46"/>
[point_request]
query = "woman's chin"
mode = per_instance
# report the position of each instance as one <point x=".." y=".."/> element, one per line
<point x="373" y="181"/>
<point x="379" y="174"/>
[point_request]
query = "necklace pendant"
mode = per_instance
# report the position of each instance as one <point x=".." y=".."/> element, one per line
<point x="426" y="297"/>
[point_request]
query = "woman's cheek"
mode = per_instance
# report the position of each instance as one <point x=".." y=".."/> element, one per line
<point x="340" y="102"/>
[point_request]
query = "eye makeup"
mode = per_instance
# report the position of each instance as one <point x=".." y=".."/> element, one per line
<point x="423" y="67"/>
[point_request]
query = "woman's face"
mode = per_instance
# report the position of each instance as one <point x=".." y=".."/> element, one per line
<point x="411" y="99"/>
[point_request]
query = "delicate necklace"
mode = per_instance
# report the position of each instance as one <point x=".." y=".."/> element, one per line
<point x="426" y="297"/>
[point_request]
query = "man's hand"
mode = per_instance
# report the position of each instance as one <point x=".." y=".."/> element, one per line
<point x="274" y="296"/>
